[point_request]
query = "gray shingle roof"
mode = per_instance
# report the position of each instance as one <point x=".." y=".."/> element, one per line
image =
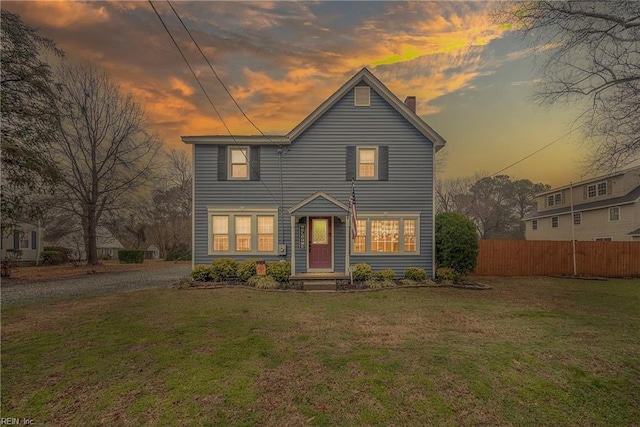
<point x="630" y="197"/>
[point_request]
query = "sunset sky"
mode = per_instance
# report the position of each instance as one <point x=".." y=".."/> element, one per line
<point x="472" y="78"/>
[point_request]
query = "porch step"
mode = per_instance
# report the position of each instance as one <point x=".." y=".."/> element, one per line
<point x="319" y="285"/>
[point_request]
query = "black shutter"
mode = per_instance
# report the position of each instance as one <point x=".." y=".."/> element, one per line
<point x="222" y="163"/>
<point x="351" y="163"/>
<point x="383" y="163"/>
<point x="34" y="240"/>
<point x="254" y="163"/>
<point x="16" y="239"/>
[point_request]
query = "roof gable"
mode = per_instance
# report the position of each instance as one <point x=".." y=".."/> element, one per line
<point x="320" y="203"/>
<point x="367" y="77"/>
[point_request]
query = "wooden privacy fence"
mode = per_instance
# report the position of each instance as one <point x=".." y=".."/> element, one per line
<point x="544" y="258"/>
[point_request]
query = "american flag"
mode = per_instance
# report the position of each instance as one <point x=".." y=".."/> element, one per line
<point x="354" y="212"/>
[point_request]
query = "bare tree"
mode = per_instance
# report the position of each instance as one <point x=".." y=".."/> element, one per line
<point x="28" y="120"/>
<point x="102" y="148"/>
<point x="592" y="57"/>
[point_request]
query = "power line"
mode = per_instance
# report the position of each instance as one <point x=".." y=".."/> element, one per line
<point x="216" y="74"/>
<point x="208" y="98"/>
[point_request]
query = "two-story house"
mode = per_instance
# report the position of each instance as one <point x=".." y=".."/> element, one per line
<point x="604" y="208"/>
<point x="288" y="196"/>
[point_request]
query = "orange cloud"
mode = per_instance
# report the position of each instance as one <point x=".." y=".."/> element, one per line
<point x="62" y="14"/>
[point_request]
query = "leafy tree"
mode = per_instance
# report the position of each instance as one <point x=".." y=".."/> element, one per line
<point x="102" y="147"/>
<point x="28" y="119"/>
<point x="456" y="242"/>
<point x="592" y="59"/>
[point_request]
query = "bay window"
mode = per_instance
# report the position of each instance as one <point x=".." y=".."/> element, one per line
<point x="387" y="234"/>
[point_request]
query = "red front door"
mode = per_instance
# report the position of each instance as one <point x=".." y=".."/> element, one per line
<point x="320" y="243"/>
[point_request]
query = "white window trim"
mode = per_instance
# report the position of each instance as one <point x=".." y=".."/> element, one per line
<point x="579" y="215"/>
<point x="390" y="216"/>
<point x="361" y="89"/>
<point x="375" y="163"/>
<point x="557" y="221"/>
<point x="619" y="213"/>
<point x="230" y="163"/>
<point x="551" y="199"/>
<point x="231" y="213"/>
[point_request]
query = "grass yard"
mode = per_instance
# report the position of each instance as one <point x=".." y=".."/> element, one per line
<point x="532" y="351"/>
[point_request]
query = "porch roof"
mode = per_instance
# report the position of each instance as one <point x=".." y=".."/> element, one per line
<point x="319" y="203"/>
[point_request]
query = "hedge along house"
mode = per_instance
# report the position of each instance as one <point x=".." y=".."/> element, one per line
<point x="288" y="197"/>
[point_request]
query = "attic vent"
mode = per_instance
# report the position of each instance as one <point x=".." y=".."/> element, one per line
<point x="362" y="96"/>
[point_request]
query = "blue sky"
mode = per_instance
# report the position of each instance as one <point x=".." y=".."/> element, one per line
<point x="473" y="79"/>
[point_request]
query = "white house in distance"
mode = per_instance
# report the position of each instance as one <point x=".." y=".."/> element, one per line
<point x="26" y="237"/>
<point x="604" y="208"/>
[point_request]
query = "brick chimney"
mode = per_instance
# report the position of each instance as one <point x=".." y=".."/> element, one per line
<point x="411" y="103"/>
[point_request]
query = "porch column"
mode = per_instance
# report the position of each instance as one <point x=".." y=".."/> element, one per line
<point x="348" y="244"/>
<point x="293" y="245"/>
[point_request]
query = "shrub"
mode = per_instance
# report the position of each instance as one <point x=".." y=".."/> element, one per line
<point x="201" y="273"/>
<point x="51" y="257"/>
<point x="279" y="270"/>
<point x="246" y="269"/>
<point x="448" y="274"/>
<point x="362" y="272"/>
<point x="263" y="282"/>
<point x="415" y="273"/>
<point x="387" y="274"/>
<point x="66" y="252"/>
<point x="131" y="256"/>
<point x="223" y="269"/>
<point x="178" y="254"/>
<point x="456" y="242"/>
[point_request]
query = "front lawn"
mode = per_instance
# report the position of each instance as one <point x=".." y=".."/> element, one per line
<point x="531" y="351"/>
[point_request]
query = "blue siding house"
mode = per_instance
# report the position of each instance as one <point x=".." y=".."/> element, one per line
<point x="288" y="196"/>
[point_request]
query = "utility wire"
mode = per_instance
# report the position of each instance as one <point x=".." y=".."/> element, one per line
<point x="218" y="77"/>
<point x="208" y="98"/>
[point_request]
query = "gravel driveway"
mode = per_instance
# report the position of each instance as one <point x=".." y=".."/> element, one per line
<point x="100" y="284"/>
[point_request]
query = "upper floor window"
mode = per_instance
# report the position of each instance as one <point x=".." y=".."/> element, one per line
<point x="599" y="189"/>
<point x="554" y="222"/>
<point x="367" y="160"/>
<point x="577" y="218"/>
<point x="554" y="199"/>
<point x="614" y="213"/>
<point x="239" y="164"/>
<point x="362" y="96"/>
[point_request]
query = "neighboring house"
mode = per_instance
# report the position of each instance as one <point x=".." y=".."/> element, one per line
<point x="108" y="246"/>
<point x="287" y="197"/>
<point x="604" y="208"/>
<point x="25" y="237"/>
<point x="152" y="252"/>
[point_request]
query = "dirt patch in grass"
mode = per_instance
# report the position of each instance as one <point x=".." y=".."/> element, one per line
<point x="53" y="272"/>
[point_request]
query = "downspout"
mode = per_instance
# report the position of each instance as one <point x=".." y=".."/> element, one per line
<point x="281" y="215"/>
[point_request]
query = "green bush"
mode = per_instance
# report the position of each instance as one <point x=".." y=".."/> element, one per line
<point x="456" y="242"/>
<point x="223" y="269"/>
<point x="448" y="274"/>
<point x="362" y="272"/>
<point x="415" y="273"/>
<point x="51" y="257"/>
<point x="66" y="252"/>
<point x="379" y="284"/>
<point x="279" y="270"/>
<point x="246" y="269"/>
<point x="263" y="282"/>
<point x="131" y="256"/>
<point x="201" y="273"/>
<point x="178" y="254"/>
<point x="386" y="274"/>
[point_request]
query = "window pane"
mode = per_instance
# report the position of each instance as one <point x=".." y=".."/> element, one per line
<point x="220" y="243"/>
<point x="320" y="231"/>
<point x="554" y="222"/>
<point x="602" y="189"/>
<point x="243" y="225"/>
<point x="591" y="191"/>
<point x="265" y="243"/>
<point x="367" y="156"/>
<point x="239" y="171"/>
<point x="239" y="155"/>
<point x="265" y="225"/>
<point x="359" y="244"/>
<point x="366" y="163"/>
<point x="220" y="225"/>
<point x="366" y="171"/>
<point x="384" y="236"/>
<point x="409" y="235"/>
<point x="577" y="218"/>
<point x="557" y="199"/>
<point x="243" y="242"/>
<point x="614" y="214"/>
